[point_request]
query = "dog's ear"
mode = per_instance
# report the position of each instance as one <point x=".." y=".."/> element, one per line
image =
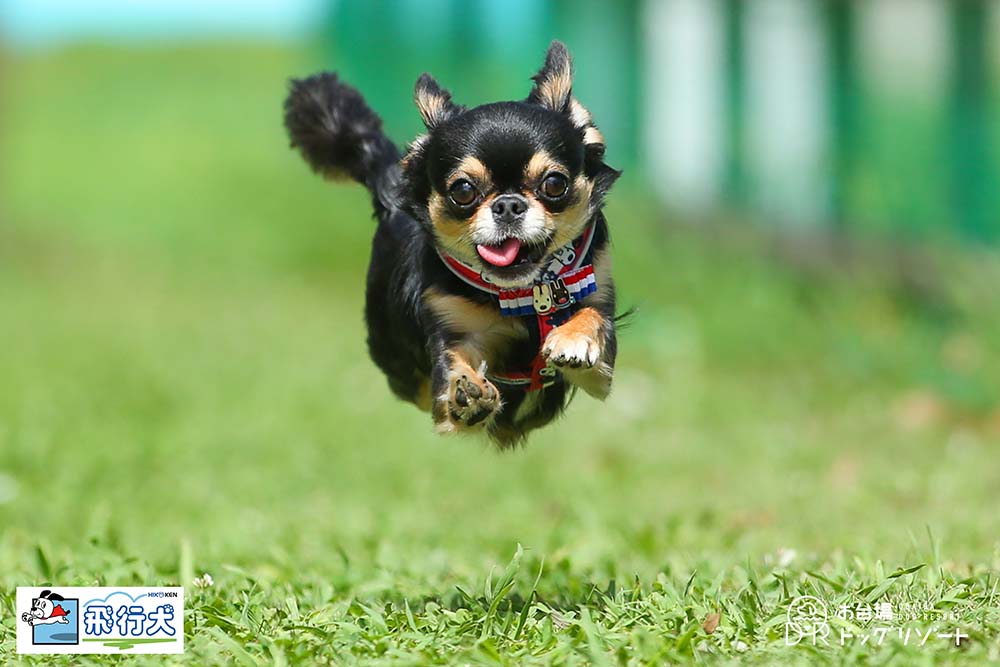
<point x="554" y="82"/>
<point x="554" y="91"/>
<point x="433" y="102"/>
<point x="56" y="597"/>
<point x="45" y="594"/>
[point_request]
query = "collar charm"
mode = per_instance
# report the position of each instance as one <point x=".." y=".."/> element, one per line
<point x="546" y="297"/>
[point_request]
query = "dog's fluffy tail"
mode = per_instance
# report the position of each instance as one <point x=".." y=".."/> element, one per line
<point x="339" y="135"/>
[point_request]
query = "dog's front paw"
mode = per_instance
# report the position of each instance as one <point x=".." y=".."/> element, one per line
<point x="471" y="400"/>
<point x="575" y="349"/>
<point x="26" y="617"/>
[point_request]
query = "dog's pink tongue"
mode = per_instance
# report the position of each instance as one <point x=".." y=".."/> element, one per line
<point x="500" y="255"/>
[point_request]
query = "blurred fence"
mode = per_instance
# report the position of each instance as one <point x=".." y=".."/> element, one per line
<point x="870" y="116"/>
<point x="485" y="51"/>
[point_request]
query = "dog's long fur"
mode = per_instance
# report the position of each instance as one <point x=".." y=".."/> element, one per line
<point x="432" y="334"/>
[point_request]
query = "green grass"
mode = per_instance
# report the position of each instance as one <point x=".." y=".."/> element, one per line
<point x="184" y="389"/>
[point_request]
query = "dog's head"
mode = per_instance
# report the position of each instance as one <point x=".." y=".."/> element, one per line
<point x="503" y="186"/>
<point x="41" y="607"/>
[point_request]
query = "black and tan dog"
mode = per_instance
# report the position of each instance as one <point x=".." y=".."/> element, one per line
<point x="489" y="292"/>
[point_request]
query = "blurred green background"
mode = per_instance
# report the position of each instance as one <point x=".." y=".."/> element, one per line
<point x="184" y="385"/>
<point x="875" y="117"/>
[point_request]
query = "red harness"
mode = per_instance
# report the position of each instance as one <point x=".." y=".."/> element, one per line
<point x="563" y="284"/>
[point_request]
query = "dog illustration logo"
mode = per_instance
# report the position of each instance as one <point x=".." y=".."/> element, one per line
<point x="45" y="611"/>
<point x="542" y="298"/>
<point x="560" y="294"/>
<point x="49" y="613"/>
<point x="565" y="255"/>
<point x="561" y="258"/>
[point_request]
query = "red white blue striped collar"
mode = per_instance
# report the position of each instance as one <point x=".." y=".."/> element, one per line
<point x="568" y="278"/>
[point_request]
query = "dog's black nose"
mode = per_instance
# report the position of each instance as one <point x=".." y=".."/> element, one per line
<point x="508" y="208"/>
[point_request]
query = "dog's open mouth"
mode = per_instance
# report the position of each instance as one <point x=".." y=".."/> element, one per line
<point x="512" y="253"/>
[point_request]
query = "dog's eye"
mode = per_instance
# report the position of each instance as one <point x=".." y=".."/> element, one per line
<point x="462" y="192"/>
<point x="554" y="186"/>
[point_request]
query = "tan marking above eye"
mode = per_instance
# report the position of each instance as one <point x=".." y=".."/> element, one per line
<point x="540" y="165"/>
<point x="593" y="136"/>
<point x="472" y="169"/>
